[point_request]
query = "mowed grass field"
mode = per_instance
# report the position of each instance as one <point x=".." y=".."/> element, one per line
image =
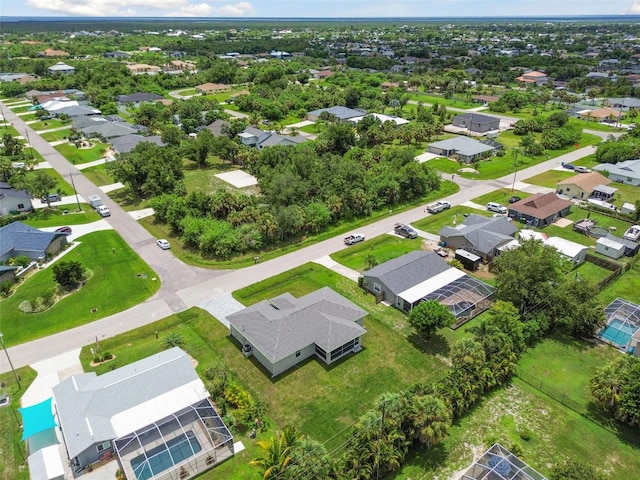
<point x="114" y="286"/>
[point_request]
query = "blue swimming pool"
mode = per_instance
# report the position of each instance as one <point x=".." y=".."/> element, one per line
<point x="162" y="458"/>
<point x="618" y="332"/>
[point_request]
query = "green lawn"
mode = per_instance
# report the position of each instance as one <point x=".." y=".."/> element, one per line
<point x="431" y="99"/>
<point x="591" y="271"/>
<point x="113" y="287"/>
<point x="12" y="464"/>
<point x="556" y="435"/>
<point x="434" y="223"/>
<point x="383" y="248"/>
<point x="54" y="216"/>
<point x="566" y="364"/>
<point x="61" y="183"/>
<point x="23" y="108"/>
<point x="47" y="124"/>
<point x="550" y="178"/>
<point x="626" y="286"/>
<point x="82" y="155"/>
<point x="501" y="196"/>
<point x="57" y="135"/>
<point x="98" y="175"/>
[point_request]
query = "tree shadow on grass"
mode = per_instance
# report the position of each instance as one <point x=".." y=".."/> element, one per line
<point x="436" y="344"/>
<point x="626" y="433"/>
<point x="578" y="344"/>
<point x="427" y="459"/>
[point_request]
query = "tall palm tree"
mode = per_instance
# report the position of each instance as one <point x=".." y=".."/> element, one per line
<point x="606" y="387"/>
<point x="428" y="418"/>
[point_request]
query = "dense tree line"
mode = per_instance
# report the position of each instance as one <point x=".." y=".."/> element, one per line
<point x="616" y="388"/>
<point x="626" y="147"/>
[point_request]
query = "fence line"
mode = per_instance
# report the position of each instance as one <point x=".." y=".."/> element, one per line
<point x="579" y="407"/>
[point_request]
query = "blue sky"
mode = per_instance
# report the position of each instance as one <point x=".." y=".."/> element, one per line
<point x="317" y="8"/>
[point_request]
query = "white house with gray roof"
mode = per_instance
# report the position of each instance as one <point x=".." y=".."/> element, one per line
<point x="13" y="200"/>
<point x="466" y="149"/>
<point x="340" y="113"/>
<point x="622" y="172"/>
<point x="154" y="416"/>
<point x="480" y="235"/>
<point x="284" y="331"/>
<point x="418" y="276"/>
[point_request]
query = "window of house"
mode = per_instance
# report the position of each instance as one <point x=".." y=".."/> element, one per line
<point x="20" y="206"/>
<point x="103" y="446"/>
<point x="377" y="287"/>
<point x="298" y="353"/>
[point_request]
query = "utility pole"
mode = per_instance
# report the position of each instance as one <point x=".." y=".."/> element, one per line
<point x="515" y="168"/>
<point x="75" y="192"/>
<point x="15" y="375"/>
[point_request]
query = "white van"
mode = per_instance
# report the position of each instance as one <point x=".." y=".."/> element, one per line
<point x="497" y="208"/>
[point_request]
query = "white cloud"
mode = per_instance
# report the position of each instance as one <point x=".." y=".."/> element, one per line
<point x="634" y="9"/>
<point x="241" y="9"/>
<point x="100" y="8"/>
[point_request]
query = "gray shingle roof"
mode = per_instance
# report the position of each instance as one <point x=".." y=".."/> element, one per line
<point x="478" y="117"/>
<point x="126" y="143"/>
<point x="87" y="403"/>
<point x="628" y="168"/>
<point x="110" y="129"/>
<point x="23" y="238"/>
<point x="284" y="325"/>
<point x="77" y="111"/>
<point x="406" y="271"/>
<point x="342" y="113"/>
<point x="7" y="191"/>
<point x="483" y="233"/>
<point x="463" y="145"/>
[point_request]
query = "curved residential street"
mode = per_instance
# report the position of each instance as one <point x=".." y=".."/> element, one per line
<point x="185" y="286"/>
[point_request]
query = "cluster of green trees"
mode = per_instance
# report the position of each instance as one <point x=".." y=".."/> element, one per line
<point x="616" y="388"/>
<point x="303" y="191"/>
<point x="625" y="147"/>
<point x="556" y="130"/>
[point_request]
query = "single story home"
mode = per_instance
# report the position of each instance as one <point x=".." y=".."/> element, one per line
<point x="284" y="331"/>
<point x="154" y="416"/>
<point x="18" y="238"/>
<point x="623" y="104"/>
<point x="77" y="111"/>
<point x="601" y="114"/>
<point x="217" y="127"/>
<point x="108" y="130"/>
<point x="206" y="88"/>
<point x="418" y="276"/>
<point x="477" y="122"/>
<point x="585" y="185"/>
<point x="573" y="251"/>
<point x="254" y="137"/>
<point x="627" y="172"/>
<point x="61" y="67"/>
<point x="137" y="98"/>
<point x="466" y="149"/>
<point x="341" y="114"/>
<point x="482" y="236"/>
<point x="610" y="248"/>
<point x="540" y="209"/>
<point x="126" y="143"/>
<point x="13" y="200"/>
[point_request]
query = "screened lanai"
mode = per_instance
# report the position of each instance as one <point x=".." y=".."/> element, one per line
<point x="465" y="296"/>
<point x="623" y="321"/>
<point x="190" y="441"/>
<point x="498" y="463"/>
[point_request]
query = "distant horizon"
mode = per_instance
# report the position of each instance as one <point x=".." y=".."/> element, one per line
<point x="254" y="18"/>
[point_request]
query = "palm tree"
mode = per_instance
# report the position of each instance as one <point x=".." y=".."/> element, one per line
<point x="277" y="452"/>
<point x="428" y="418"/>
<point x="606" y="387"/>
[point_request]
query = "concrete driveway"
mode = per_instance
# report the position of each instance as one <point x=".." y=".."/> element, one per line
<point x="80" y="230"/>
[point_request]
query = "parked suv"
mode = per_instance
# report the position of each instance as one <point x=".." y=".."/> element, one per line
<point x="405" y="231"/>
<point x="496" y="207"/>
<point x="53" y="197"/>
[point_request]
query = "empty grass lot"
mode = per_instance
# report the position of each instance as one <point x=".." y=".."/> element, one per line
<point x="383" y="248"/>
<point x="53" y="217"/>
<point x="501" y="196"/>
<point x="113" y="287"/>
<point x="47" y="124"/>
<point x="82" y="155"/>
<point x="98" y="175"/>
<point x="550" y="178"/>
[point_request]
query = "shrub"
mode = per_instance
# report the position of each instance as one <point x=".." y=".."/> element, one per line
<point x="21" y="260"/>
<point x="173" y="339"/>
<point x="525" y="434"/>
<point x="6" y="288"/>
<point x="68" y="274"/>
<point x="25" y="307"/>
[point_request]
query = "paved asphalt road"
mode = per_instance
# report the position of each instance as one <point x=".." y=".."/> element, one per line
<point x="184" y="286"/>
